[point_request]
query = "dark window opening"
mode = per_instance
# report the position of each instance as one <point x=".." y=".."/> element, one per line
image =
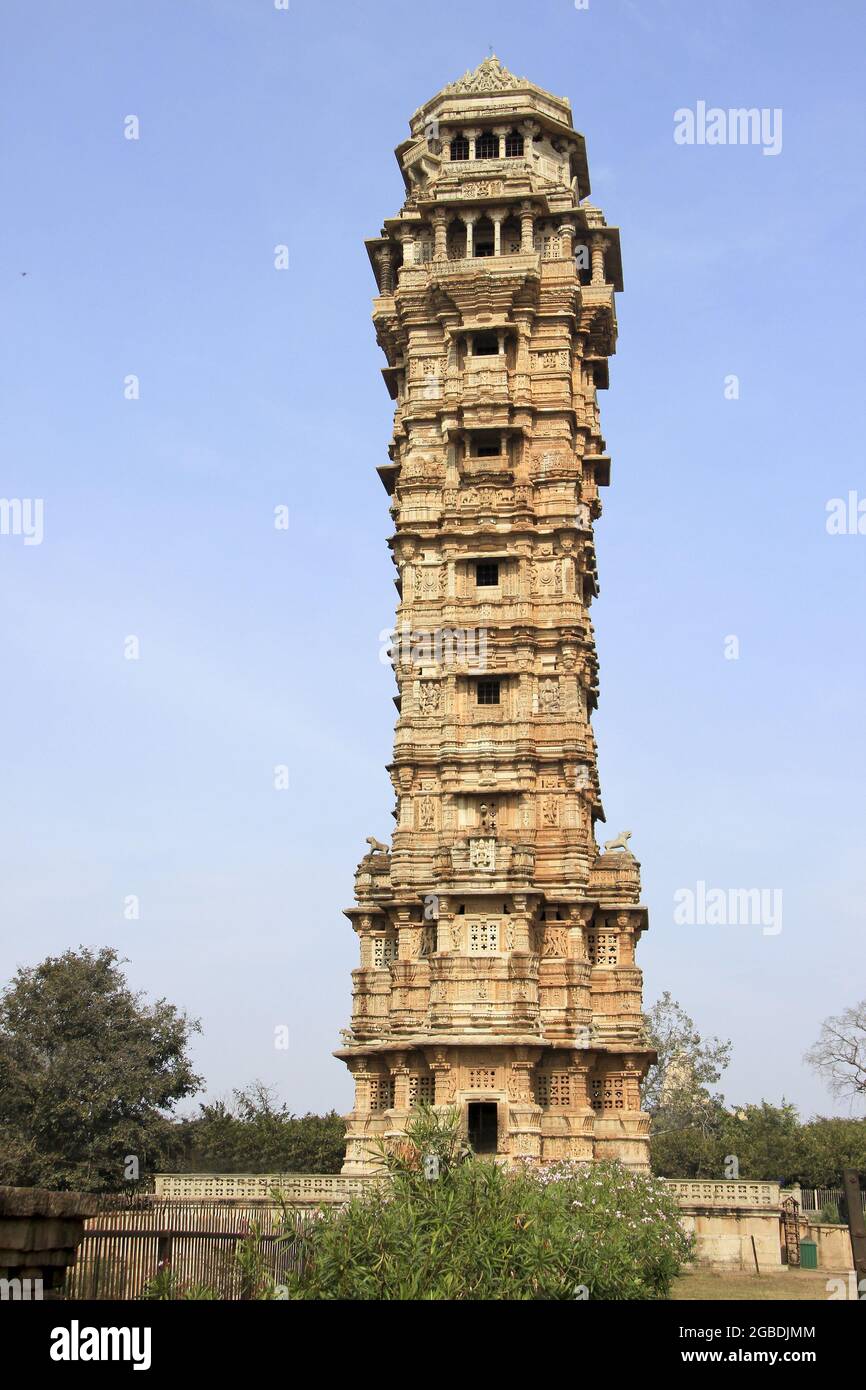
<point x="486" y="446"/>
<point x="462" y="907"/>
<point x="460" y="147"/>
<point x="513" y="144"/>
<point x="482" y="1120"/>
<point x="487" y="146"/>
<point x="488" y="692"/>
<point x="487" y="573"/>
<point x="484" y="248"/>
<point x="485" y="345"/>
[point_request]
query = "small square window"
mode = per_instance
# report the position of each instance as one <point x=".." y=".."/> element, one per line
<point x="485" y="345"/>
<point x="487" y="574"/>
<point x="488" y="692"/>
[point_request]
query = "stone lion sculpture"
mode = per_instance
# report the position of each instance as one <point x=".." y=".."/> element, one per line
<point x="621" y="841"/>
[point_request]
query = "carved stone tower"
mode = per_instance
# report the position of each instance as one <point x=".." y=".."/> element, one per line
<point x="497" y="944"/>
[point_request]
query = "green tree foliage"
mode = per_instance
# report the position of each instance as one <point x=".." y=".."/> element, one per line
<point x="256" y="1134"/>
<point x="764" y="1139"/>
<point x="477" y="1231"/>
<point x="695" y="1135"/>
<point x="826" y="1146"/>
<point x="768" y="1142"/>
<point x="89" y="1074"/>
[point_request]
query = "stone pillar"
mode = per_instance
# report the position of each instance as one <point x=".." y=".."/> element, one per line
<point x="400" y="1077"/>
<point x="527" y="227"/>
<point x="443" y="1077"/>
<point x="385" y="264"/>
<point x="469" y="219"/>
<point x="406" y="238"/>
<point x="443" y="925"/>
<point x="566" y="234"/>
<point x="597" y="252"/>
<point x="363" y="1077"/>
<point x="406" y="924"/>
<point x="497" y="217"/>
<point x="440" y="234"/>
<point x="521" y="917"/>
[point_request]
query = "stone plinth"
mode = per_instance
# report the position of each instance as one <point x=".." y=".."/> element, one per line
<point x="40" y="1232"/>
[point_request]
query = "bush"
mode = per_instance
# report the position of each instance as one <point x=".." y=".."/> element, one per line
<point x="477" y="1231"/>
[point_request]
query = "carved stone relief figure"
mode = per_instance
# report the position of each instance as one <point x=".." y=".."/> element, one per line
<point x="429" y="697"/>
<point x="548" y="696"/>
<point x="481" y="854"/>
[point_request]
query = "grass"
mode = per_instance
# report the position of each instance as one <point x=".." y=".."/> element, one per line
<point x="780" y="1285"/>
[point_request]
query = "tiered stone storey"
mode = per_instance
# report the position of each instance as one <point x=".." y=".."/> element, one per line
<point x="497" y="945"/>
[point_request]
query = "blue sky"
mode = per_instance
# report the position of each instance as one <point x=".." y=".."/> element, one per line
<point x="261" y="387"/>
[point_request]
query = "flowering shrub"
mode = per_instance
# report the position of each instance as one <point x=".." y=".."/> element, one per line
<point x="627" y="1226"/>
<point x="477" y="1231"/>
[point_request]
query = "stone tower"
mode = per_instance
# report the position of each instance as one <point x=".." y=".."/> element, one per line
<point x="497" y="944"/>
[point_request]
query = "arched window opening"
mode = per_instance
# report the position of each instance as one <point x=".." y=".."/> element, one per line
<point x="487" y="146"/>
<point x="459" y="147"/>
<point x="513" y="144"/>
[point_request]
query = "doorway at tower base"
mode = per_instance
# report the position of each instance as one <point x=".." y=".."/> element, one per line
<point x="628" y="1144"/>
<point x="519" y="1104"/>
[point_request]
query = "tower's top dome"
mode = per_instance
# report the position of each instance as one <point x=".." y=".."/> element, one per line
<point x="491" y="90"/>
<point x="489" y="76"/>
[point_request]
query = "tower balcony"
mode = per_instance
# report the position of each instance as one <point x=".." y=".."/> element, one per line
<point x="616" y="878"/>
<point x="487" y="468"/>
<point x="520" y="263"/>
<point x="485" y="379"/>
<point x="483" y="284"/>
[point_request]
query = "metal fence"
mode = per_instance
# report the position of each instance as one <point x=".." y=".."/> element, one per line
<point x="814" y="1198"/>
<point x="127" y="1245"/>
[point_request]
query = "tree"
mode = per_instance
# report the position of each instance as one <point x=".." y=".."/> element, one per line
<point x="677" y="1088"/>
<point x="839" y="1055"/>
<point x="690" y="1151"/>
<point x="255" y="1134"/>
<point x="765" y="1140"/>
<point x="827" y="1146"/>
<point x="88" y="1074"/>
